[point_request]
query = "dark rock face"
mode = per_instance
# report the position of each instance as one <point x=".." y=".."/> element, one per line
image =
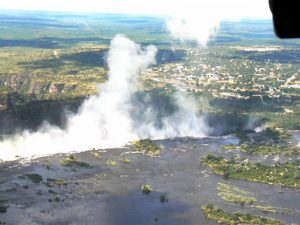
<point x="30" y="114"/>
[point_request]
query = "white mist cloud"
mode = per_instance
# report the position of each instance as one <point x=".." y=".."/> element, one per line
<point x="184" y="122"/>
<point x="105" y="120"/>
<point x="199" y="20"/>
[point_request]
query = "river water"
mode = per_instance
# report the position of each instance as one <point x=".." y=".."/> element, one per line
<point x="111" y="195"/>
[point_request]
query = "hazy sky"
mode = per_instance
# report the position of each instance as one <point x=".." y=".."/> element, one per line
<point x="186" y="19"/>
<point x="233" y="8"/>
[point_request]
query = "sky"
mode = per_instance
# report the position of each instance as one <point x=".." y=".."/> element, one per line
<point x="232" y="8"/>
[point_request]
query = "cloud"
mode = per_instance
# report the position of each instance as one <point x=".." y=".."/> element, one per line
<point x="193" y="20"/>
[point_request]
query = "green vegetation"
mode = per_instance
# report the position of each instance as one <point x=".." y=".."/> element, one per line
<point x="112" y="162"/>
<point x="3" y="209"/>
<point x="223" y="217"/>
<point x="287" y="174"/>
<point x="268" y="136"/>
<point x="147" y="188"/>
<point x="267" y="142"/>
<point x="51" y="74"/>
<point x="243" y="136"/>
<point x="235" y="194"/>
<point x="231" y="147"/>
<point x="72" y="161"/>
<point x="57" y="181"/>
<point x="51" y="182"/>
<point x="97" y="155"/>
<point x="126" y="160"/>
<point x="266" y="208"/>
<point x="47" y="165"/>
<point x="270" y="149"/>
<point x="264" y="149"/>
<point x="3" y="206"/>
<point x="36" y="178"/>
<point x="147" y="146"/>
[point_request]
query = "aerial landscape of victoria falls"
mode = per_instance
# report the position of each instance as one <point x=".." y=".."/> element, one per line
<point x="120" y="119"/>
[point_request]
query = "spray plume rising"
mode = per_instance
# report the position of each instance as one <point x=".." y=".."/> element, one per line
<point x="105" y="120"/>
<point x="199" y="20"/>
